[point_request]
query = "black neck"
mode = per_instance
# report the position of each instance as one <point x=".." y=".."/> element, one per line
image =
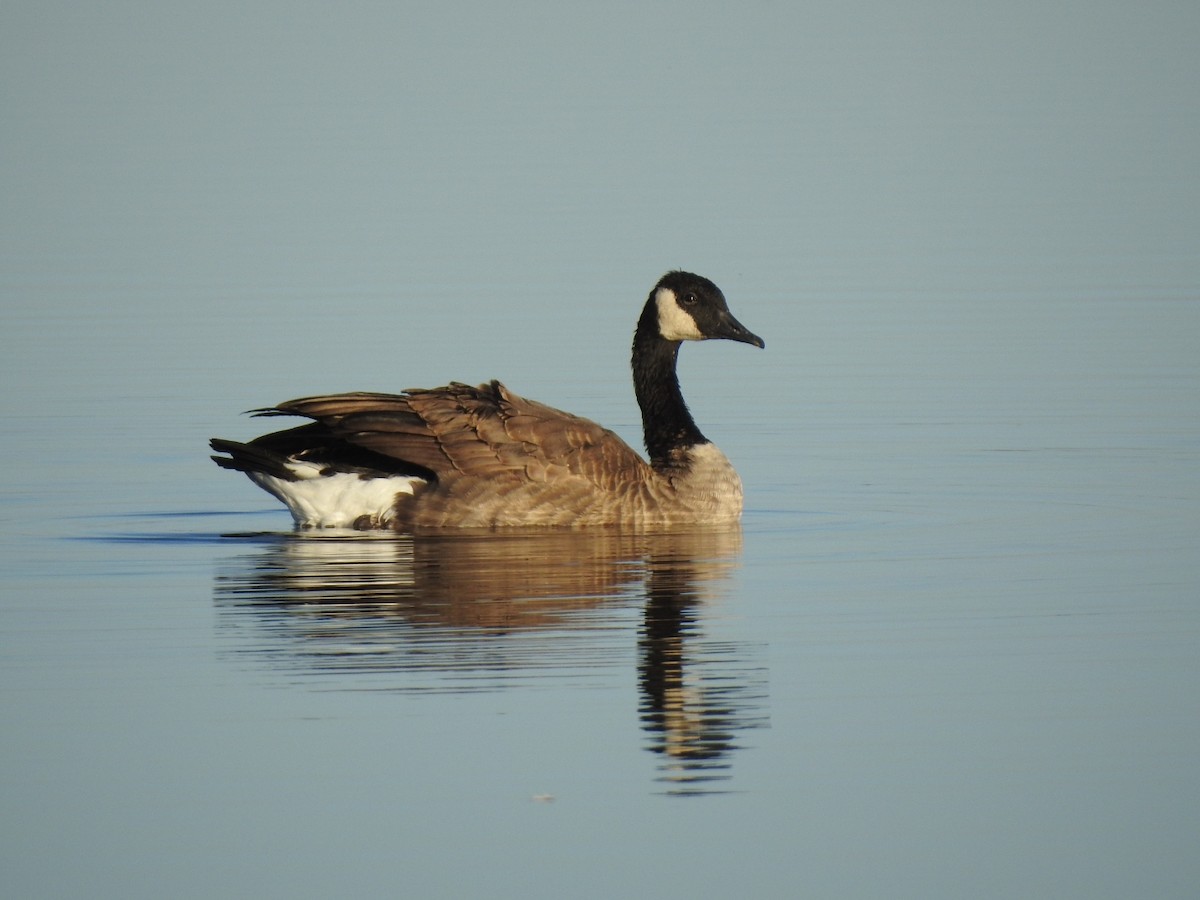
<point x="666" y="422"/>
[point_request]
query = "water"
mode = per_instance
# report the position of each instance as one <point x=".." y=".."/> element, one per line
<point x="952" y="650"/>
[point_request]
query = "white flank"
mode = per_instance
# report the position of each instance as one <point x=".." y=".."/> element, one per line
<point x="338" y="500"/>
<point x="674" y="323"/>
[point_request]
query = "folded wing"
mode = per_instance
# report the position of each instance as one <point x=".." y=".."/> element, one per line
<point x="485" y="432"/>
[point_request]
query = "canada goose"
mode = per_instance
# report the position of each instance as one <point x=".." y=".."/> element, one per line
<point x="461" y="456"/>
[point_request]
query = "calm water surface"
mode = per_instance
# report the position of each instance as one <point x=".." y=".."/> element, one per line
<point x="955" y="641"/>
<point x="953" y="650"/>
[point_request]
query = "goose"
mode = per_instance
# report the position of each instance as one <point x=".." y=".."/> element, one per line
<point x="483" y="457"/>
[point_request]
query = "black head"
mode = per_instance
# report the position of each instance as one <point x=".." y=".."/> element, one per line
<point x="687" y="307"/>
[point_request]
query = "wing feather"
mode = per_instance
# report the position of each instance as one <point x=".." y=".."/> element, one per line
<point x="485" y="432"/>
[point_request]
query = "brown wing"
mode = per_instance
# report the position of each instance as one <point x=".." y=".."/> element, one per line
<point x="483" y="432"/>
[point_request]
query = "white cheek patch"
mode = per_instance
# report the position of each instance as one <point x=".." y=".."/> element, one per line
<point x="674" y="324"/>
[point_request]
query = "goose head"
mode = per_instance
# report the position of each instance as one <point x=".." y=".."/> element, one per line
<point x="687" y="307"/>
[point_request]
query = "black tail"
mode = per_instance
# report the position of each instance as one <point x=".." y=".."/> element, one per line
<point x="251" y="458"/>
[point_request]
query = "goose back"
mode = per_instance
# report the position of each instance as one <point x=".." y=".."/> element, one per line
<point x="486" y="457"/>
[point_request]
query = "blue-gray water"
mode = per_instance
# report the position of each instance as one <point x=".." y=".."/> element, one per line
<point x="954" y="649"/>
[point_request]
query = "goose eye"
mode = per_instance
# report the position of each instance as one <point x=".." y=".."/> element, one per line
<point x="689" y="300"/>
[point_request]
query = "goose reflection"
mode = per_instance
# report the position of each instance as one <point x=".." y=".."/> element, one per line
<point x="697" y="695"/>
<point x="463" y="612"/>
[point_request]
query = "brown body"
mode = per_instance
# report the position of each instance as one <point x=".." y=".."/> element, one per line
<point x="501" y="460"/>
